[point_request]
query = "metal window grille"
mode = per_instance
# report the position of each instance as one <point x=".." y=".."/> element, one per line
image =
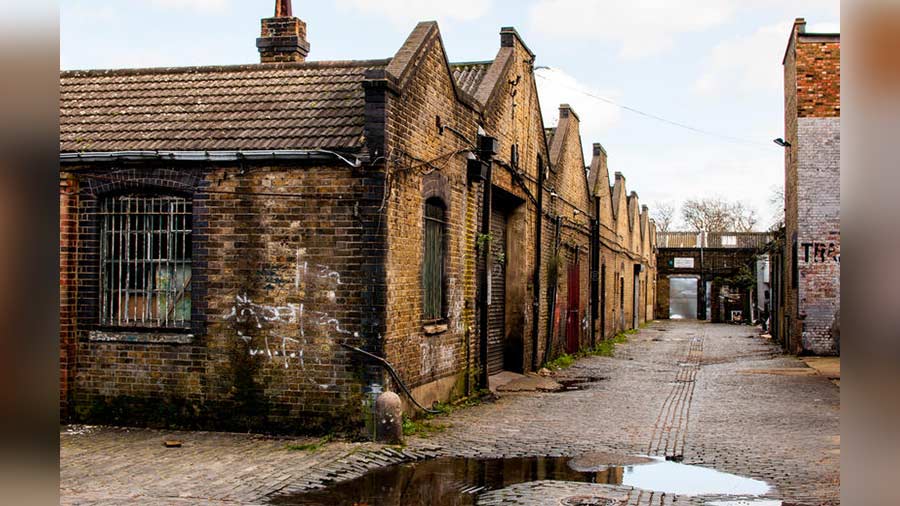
<point x="433" y="268"/>
<point x="145" y="254"/>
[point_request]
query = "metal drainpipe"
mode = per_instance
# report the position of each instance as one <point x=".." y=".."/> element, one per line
<point x="536" y="284"/>
<point x="485" y="274"/>
<point x="595" y="270"/>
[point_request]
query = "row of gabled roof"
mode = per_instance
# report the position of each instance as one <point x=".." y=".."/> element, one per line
<point x="273" y="106"/>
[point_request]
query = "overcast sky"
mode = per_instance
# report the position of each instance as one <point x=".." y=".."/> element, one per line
<point x="711" y="65"/>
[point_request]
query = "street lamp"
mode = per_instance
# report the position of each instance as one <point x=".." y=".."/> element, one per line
<point x="781" y="142"/>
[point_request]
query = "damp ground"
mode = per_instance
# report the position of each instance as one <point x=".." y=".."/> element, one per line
<point x="579" y="383"/>
<point x="459" y="481"/>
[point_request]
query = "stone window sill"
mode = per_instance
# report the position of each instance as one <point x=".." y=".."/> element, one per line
<point x="437" y="328"/>
<point x="125" y="336"/>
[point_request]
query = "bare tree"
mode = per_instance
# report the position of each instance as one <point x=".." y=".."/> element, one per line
<point x="664" y="215"/>
<point x="743" y="217"/>
<point x="709" y="214"/>
<point x="776" y="204"/>
<point x="718" y="215"/>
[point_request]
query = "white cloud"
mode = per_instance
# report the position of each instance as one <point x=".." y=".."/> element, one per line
<point x="746" y="64"/>
<point x="676" y="173"/>
<point x="195" y="5"/>
<point x="640" y="27"/>
<point x="556" y="87"/>
<point x="643" y="28"/>
<point x="752" y="63"/>
<point x="403" y="12"/>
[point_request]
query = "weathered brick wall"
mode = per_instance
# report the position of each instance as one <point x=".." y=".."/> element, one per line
<point x="627" y="238"/>
<point x="286" y="264"/>
<point x="790" y="322"/>
<point x="662" y="297"/>
<point x="812" y="190"/>
<point x="68" y="289"/>
<point x="423" y="162"/>
<point x="624" y="260"/>
<point x="818" y="77"/>
<point x="716" y="265"/>
<point x="819" y="231"/>
<point x="289" y="261"/>
<point x="573" y="204"/>
<point x="513" y="116"/>
<point x="414" y="138"/>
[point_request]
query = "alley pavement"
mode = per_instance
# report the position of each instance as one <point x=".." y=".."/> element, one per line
<point x="717" y="396"/>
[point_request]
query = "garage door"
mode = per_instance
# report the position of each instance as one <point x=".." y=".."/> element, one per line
<point x="497" y="309"/>
<point x="682" y="298"/>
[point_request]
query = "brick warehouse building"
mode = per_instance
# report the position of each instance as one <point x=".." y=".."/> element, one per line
<point x="806" y="268"/>
<point x="711" y="275"/>
<point x="233" y="239"/>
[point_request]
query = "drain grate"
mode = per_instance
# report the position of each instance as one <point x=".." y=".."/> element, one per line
<point x="590" y="500"/>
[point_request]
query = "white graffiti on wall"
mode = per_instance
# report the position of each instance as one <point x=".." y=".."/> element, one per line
<point x="436" y="357"/>
<point x="284" y="333"/>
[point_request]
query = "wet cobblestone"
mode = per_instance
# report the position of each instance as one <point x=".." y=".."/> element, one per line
<point x="676" y="388"/>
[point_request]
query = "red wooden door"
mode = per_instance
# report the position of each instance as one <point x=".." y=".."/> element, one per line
<point x="572" y="314"/>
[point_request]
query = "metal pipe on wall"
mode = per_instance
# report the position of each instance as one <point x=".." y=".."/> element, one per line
<point x="536" y="284"/>
<point x="484" y="297"/>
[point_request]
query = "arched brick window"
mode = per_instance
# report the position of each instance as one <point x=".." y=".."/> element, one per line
<point x="435" y="227"/>
<point x="145" y="260"/>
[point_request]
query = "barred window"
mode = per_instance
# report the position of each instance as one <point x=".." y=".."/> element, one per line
<point x="145" y="255"/>
<point x="433" y="265"/>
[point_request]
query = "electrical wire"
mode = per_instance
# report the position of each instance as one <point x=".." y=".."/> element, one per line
<point x="655" y="117"/>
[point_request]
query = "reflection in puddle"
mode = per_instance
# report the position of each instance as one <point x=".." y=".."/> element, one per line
<point x="458" y="481"/>
<point x="445" y="482"/>
<point x="745" y="503"/>
<point x="682" y="479"/>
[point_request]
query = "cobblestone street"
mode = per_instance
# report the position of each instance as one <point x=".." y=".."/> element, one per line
<point x="718" y="396"/>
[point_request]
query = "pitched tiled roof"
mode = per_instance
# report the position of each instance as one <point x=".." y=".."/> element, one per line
<point x="275" y="106"/>
<point x="469" y="75"/>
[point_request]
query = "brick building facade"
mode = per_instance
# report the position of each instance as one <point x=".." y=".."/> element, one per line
<point x="719" y="270"/>
<point x="806" y="305"/>
<point x="233" y="239"/>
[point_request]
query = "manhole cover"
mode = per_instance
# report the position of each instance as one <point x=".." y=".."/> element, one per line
<point x="589" y="500"/>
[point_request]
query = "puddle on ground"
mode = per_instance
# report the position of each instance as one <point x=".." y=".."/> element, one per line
<point x="458" y="481"/>
<point x="579" y="383"/>
<point x="745" y="503"/>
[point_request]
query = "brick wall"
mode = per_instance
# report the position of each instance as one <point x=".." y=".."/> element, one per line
<point x="286" y="263"/>
<point x="289" y="261"/>
<point x="715" y="265"/>
<point x="68" y="289"/>
<point x="818" y="231"/>
<point x="423" y="163"/>
<point x="420" y="152"/>
<point x="818" y="76"/>
<point x="627" y="237"/>
<point x="812" y="191"/>
<point x="574" y="205"/>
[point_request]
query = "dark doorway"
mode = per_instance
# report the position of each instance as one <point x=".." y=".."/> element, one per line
<point x="573" y="311"/>
<point x="636" y="314"/>
<point x="603" y="301"/>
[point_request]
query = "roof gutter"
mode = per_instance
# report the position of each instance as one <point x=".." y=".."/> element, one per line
<point x="210" y="156"/>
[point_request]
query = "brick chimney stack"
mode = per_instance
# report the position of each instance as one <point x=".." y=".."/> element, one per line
<point x="283" y="36"/>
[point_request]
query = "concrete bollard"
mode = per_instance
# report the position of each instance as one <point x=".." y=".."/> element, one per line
<point x="388" y="419"/>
